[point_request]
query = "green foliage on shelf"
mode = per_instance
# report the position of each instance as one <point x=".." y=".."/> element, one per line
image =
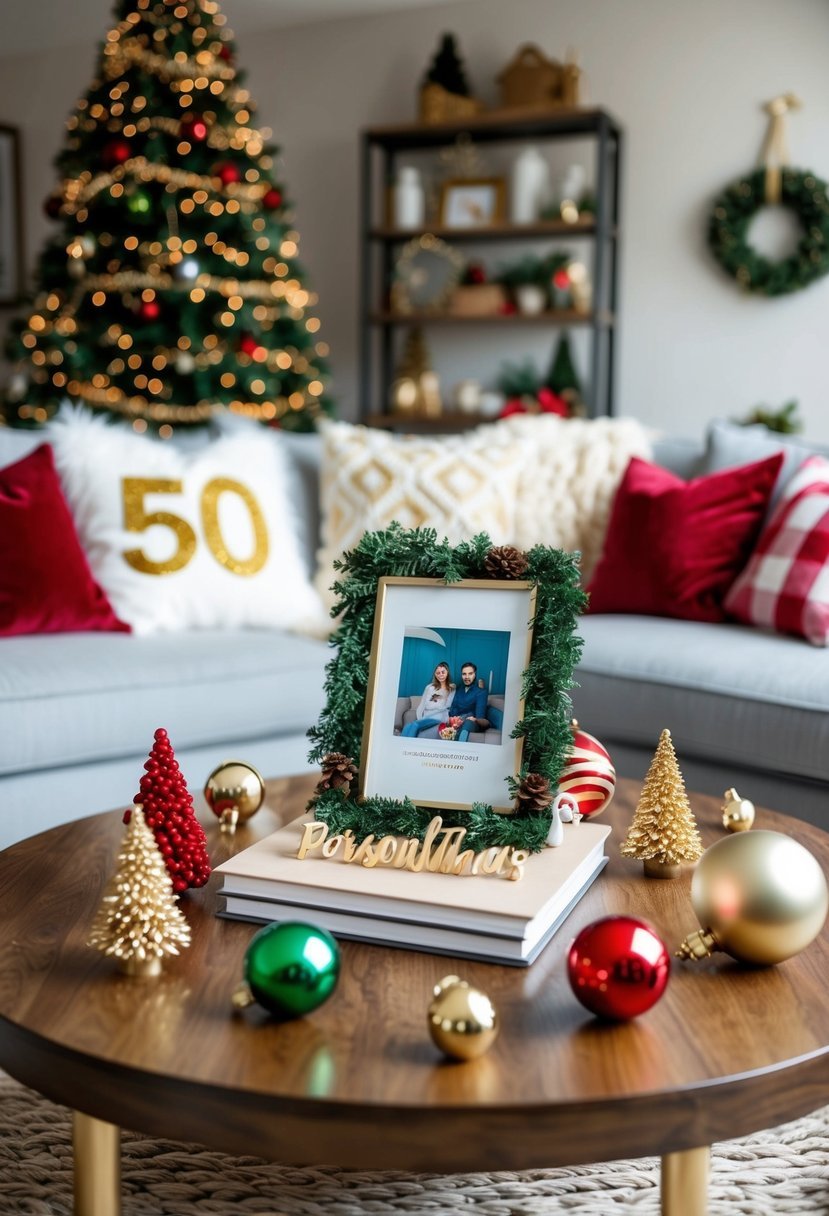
<point x="545" y="727"/>
<point x="784" y="421"/>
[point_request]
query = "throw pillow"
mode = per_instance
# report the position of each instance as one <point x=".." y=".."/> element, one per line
<point x="186" y="539"/>
<point x="573" y="471"/>
<point x="785" y="585"/>
<point x="728" y="444"/>
<point x="674" y="548"/>
<point x="458" y="485"/>
<point x="46" y="585"/>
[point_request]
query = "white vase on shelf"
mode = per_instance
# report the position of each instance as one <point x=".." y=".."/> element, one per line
<point x="529" y="185"/>
<point x="530" y="298"/>
<point x="409" y="198"/>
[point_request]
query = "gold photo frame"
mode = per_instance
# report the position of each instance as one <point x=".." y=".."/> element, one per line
<point x="475" y="202"/>
<point x="411" y="749"/>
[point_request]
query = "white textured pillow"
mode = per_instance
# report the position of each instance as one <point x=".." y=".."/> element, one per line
<point x="459" y="486"/>
<point x="574" y="470"/>
<point x="186" y="540"/>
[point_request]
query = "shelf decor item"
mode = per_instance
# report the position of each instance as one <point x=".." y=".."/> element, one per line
<point x="234" y="791"/>
<point x="462" y="1020"/>
<point x="529" y="185"/>
<point x="663" y="834"/>
<point x="759" y="896"/>
<point x="409" y="198"/>
<point x="471" y="202"/>
<point x="416" y="388"/>
<point x="618" y="967"/>
<point x="425" y="275"/>
<point x="531" y="80"/>
<point x="444" y="93"/>
<point x="401" y="597"/>
<point x="775" y="183"/>
<point x="290" y="969"/>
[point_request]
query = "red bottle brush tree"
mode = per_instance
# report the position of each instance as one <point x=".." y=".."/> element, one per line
<point x="168" y="811"/>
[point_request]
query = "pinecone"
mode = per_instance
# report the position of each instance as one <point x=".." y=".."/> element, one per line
<point x="505" y="561"/>
<point x="534" y="794"/>
<point x="338" y="772"/>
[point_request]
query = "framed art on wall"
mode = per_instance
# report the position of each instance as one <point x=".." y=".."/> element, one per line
<point x="444" y="690"/>
<point x="11" y="239"/>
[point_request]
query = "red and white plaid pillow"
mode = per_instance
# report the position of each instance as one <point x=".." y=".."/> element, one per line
<point x="785" y="584"/>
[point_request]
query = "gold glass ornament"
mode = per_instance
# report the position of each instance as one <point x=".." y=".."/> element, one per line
<point x="760" y="896"/>
<point x="737" y="812"/>
<point x="462" y="1020"/>
<point x="234" y="791"/>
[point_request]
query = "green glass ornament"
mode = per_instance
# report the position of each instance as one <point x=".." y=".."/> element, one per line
<point x="290" y="969"/>
<point x="139" y="202"/>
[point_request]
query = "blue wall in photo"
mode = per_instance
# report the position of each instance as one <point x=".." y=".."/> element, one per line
<point x="487" y="648"/>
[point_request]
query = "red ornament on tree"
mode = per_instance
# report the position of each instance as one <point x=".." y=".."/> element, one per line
<point x="272" y="199"/>
<point x="618" y="967"/>
<point x="52" y="206"/>
<point x="226" y="53"/>
<point x="248" y="345"/>
<point x="149" y="310"/>
<point x="227" y="172"/>
<point x="116" y="152"/>
<point x="194" y="128"/>
<point x="168" y="810"/>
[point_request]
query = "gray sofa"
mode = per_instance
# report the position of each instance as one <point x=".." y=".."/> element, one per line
<point x="78" y="711"/>
<point x="407" y="712"/>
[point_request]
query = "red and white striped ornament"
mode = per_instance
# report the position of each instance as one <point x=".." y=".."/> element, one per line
<point x="588" y="774"/>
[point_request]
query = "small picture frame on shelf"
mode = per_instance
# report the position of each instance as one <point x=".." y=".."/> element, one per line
<point x="472" y="202"/>
<point x="11" y="238"/>
<point x="443" y="697"/>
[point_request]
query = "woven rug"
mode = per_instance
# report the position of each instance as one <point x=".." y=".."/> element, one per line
<point x="785" y="1170"/>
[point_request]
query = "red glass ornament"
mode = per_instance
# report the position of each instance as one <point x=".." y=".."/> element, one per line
<point x="228" y="173"/>
<point x="226" y="53"/>
<point x="116" y="152"/>
<point x="475" y="274"/>
<point x="272" y="199"/>
<point x="52" y="206"/>
<point x="618" y="967"/>
<point x="149" y="310"/>
<point x="194" y="128"/>
<point x="248" y="345"/>
<point x="561" y="280"/>
<point x="588" y="774"/>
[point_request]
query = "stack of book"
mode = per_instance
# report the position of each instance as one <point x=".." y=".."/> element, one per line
<point x="485" y="917"/>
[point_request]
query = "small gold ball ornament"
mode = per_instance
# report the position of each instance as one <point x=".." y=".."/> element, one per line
<point x="462" y="1020"/>
<point x="234" y="791"/>
<point x="737" y="812"/>
<point x="759" y="896"/>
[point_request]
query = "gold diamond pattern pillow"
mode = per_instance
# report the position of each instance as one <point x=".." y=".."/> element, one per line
<point x="459" y="485"/>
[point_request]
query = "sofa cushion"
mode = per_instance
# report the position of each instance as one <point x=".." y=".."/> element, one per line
<point x="786" y="583"/>
<point x="744" y="697"/>
<point x="728" y="444"/>
<point x="186" y="540"/>
<point x="674" y="548"/>
<point x="46" y="585"/>
<point x="72" y="698"/>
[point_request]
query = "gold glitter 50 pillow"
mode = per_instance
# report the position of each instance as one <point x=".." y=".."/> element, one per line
<point x="180" y="540"/>
<point x="459" y="485"/>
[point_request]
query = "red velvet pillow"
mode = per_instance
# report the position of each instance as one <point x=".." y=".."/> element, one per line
<point x="673" y="548"/>
<point x="46" y="585"/>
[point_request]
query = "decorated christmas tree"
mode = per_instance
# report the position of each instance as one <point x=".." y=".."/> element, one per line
<point x="171" y="287"/>
<point x="563" y="379"/>
<point x="138" y="921"/>
<point x="168" y="809"/>
<point x="663" y="833"/>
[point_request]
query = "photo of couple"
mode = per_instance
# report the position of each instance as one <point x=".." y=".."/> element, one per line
<point x="463" y="698"/>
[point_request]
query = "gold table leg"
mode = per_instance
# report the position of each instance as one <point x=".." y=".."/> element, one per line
<point x="685" y="1182"/>
<point x="97" y="1151"/>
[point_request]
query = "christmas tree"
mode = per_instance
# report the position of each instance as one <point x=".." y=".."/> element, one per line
<point x="138" y="921"/>
<point x="168" y="808"/>
<point x="563" y="378"/>
<point x="171" y="288"/>
<point x="663" y="833"/>
<point x="446" y="69"/>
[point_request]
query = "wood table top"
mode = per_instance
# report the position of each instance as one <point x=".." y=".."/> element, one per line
<point x="729" y="1049"/>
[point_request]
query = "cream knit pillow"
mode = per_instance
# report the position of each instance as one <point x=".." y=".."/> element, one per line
<point x="575" y="466"/>
<point x="459" y="485"/>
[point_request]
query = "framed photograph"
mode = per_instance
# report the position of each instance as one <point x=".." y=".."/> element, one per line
<point x="11" y="237"/>
<point x="472" y="202"/>
<point x="444" y="691"/>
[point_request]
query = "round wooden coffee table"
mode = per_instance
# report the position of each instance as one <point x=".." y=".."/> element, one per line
<point x="728" y="1050"/>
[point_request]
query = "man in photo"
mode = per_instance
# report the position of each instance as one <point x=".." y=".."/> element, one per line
<point x="469" y="703"/>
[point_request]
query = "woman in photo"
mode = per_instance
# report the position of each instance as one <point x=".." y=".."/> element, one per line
<point x="434" y="704"/>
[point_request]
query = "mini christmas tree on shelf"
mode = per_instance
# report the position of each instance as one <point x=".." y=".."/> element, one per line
<point x="170" y="289"/>
<point x="168" y="809"/>
<point x="138" y="922"/>
<point x="563" y="379"/>
<point x="663" y="833"/>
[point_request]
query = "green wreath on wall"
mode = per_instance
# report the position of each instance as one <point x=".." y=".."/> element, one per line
<point x="803" y="193"/>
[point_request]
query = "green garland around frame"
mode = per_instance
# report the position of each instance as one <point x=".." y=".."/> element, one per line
<point x="546" y="724"/>
<point x="805" y="195"/>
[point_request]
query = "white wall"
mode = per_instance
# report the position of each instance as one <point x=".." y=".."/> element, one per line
<point x="686" y="82"/>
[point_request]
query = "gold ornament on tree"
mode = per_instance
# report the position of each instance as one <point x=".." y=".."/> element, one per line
<point x="505" y="561"/>
<point x="339" y="772"/>
<point x="138" y="921"/>
<point x="534" y="795"/>
<point x="760" y="897"/>
<point x="663" y="833"/>
<point x="462" y="1020"/>
<point x="737" y="812"/>
<point x="234" y="791"/>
